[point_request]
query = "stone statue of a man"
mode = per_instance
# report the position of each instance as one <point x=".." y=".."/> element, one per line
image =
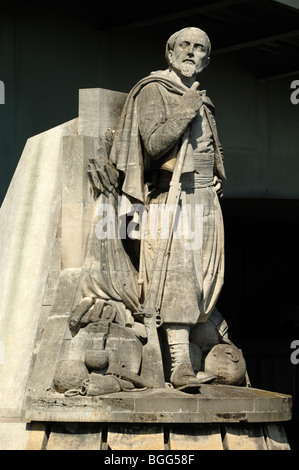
<point x="162" y="111"/>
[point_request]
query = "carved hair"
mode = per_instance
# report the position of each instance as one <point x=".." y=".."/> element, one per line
<point x="172" y="40"/>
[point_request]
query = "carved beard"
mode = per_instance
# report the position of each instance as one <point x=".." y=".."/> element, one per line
<point x="187" y="70"/>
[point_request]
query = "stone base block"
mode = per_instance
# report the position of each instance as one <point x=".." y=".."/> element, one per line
<point x="214" y="404"/>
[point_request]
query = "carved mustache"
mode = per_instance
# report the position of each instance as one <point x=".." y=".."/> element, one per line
<point x="189" y="60"/>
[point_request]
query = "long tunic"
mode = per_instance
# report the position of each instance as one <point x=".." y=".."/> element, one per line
<point x="195" y="269"/>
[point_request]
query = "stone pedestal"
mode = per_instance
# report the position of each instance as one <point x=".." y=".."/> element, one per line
<point x="214" y="404"/>
<point x="219" y="418"/>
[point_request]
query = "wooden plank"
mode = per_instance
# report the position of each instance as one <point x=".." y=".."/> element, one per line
<point x="276" y="438"/>
<point x="83" y="438"/>
<point x="135" y="437"/>
<point x="244" y="437"/>
<point x="200" y="437"/>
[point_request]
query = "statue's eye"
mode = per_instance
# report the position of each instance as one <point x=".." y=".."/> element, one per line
<point x="185" y="44"/>
<point x="198" y="47"/>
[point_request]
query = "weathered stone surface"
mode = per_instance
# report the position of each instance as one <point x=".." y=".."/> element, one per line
<point x="135" y="438"/>
<point x="244" y="437"/>
<point x="74" y="438"/>
<point x="201" y="437"/>
<point x="227" y="363"/>
<point x="215" y="404"/>
<point x="37" y="436"/>
<point x="276" y="438"/>
<point x="55" y="330"/>
<point x="169" y="437"/>
<point x="99" y="110"/>
<point x="29" y="218"/>
<point x="76" y="199"/>
<point x="70" y="374"/>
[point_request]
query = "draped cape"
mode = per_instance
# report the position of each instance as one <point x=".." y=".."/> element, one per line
<point x="126" y="152"/>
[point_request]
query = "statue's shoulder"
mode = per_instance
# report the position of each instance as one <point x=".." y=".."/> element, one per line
<point x="151" y="86"/>
<point x="207" y="101"/>
<point x="157" y="81"/>
<point x="151" y="91"/>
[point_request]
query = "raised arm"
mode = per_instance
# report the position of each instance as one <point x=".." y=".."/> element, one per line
<point x="159" y="132"/>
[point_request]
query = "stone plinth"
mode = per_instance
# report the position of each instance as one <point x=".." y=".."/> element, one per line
<point x="99" y="110"/>
<point x="214" y="404"/>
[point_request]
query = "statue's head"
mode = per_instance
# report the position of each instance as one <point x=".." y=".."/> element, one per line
<point x="188" y="51"/>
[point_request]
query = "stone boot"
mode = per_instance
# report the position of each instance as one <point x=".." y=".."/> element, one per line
<point x="182" y="375"/>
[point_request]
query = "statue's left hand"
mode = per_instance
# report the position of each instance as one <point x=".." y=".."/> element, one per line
<point x="218" y="186"/>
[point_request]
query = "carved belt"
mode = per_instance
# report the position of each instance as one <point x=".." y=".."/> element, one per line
<point x="196" y="181"/>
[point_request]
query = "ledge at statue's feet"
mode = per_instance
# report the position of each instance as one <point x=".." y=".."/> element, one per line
<point x="214" y="404"/>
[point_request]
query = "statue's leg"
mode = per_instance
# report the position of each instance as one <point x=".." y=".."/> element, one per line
<point x="182" y="374"/>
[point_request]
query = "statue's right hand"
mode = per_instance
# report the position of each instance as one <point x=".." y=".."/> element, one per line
<point x="193" y="98"/>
